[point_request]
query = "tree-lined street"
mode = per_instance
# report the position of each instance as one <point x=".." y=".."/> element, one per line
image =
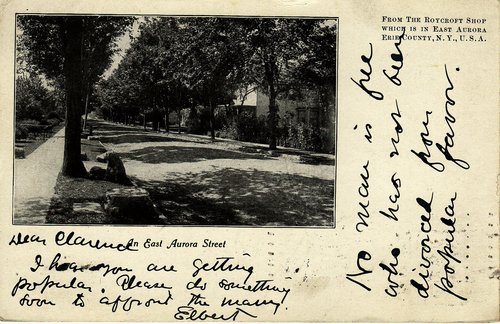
<point x="165" y="119"/>
<point x="197" y="181"/>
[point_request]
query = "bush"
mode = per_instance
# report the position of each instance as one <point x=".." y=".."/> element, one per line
<point x="246" y="127"/>
<point x="53" y="115"/>
<point x="327" y="141"/>
<point x="192" y="120"/>
<point x="249" y="128"/>
<point x="300" y="135"/>
<point x="49" y="123"/>
<point x="53" y="122"/>
<point x="197" y="120"/>
<point x="35" y="129"/>
<point x="223" y="115"/>
<point x="29" y="122"/>
<point x="230" y="130"/>
<point x="21" y="132"/>
<point x="260" y="130"/>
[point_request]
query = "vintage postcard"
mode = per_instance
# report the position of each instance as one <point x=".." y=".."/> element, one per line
<point x="250" y="161"/>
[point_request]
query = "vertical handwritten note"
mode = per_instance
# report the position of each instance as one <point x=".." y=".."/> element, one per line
<point x="411" y="213"/>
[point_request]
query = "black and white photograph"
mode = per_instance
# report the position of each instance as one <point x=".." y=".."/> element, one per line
<point x="175" y="120"/>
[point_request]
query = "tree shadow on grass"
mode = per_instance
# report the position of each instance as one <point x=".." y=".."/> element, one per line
<point x="31" y="211"/>
<point x="104" y="126"/>
<point x="305" y="157"/>
<point x="316" y="159"/>
<point x="138" y="137"/>
<point x="69" y="191"/>
<point x="243" y="197"/>
<point x="181" y="154"/>
<point x="120" y="134"/>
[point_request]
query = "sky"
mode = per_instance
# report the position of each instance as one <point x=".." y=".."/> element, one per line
<point x="123" y="45"/>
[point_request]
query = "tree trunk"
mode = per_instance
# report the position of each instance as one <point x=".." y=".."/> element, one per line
<point x="86" y="108"/>
<point x="178" y="120"/>
<point x="72" y="163"/>
<point x="212" y="119"/>
<point x="155" y="115"/>
<point x="167" y="120"/>
<point x="179" y="96"/>
<point x="271" y="73"/>
<point x="144" y="121"/>
<point x="192" y="118"/>
<point x="273" y="112"/>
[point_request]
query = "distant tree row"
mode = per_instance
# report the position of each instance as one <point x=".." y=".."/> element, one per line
<point x="35" y="102"/>
<point x="176" y="63"/>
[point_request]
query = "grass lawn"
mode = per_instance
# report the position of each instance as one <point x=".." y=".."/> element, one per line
<point x="195" y="181"/>
<point x="69" y="191"/>
<point x="32" y="144"/>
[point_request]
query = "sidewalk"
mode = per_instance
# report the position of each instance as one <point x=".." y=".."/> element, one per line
<point x="34" y="180"/>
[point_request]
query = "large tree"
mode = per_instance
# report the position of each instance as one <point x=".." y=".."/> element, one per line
<point x="139" y="78"/>
<point x="120" y="95"/>
<point x="277" y="48"/>
<point x="98" y="49"/>
<point x="214" y="59"/>
<point x="33" y="99"/>
<point x="316" y="68"/>
<point x="74" y="48"/>
<point x="174" y="91"/>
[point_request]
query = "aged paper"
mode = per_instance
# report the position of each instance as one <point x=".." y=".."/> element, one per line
<point x="410" y="232"/>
